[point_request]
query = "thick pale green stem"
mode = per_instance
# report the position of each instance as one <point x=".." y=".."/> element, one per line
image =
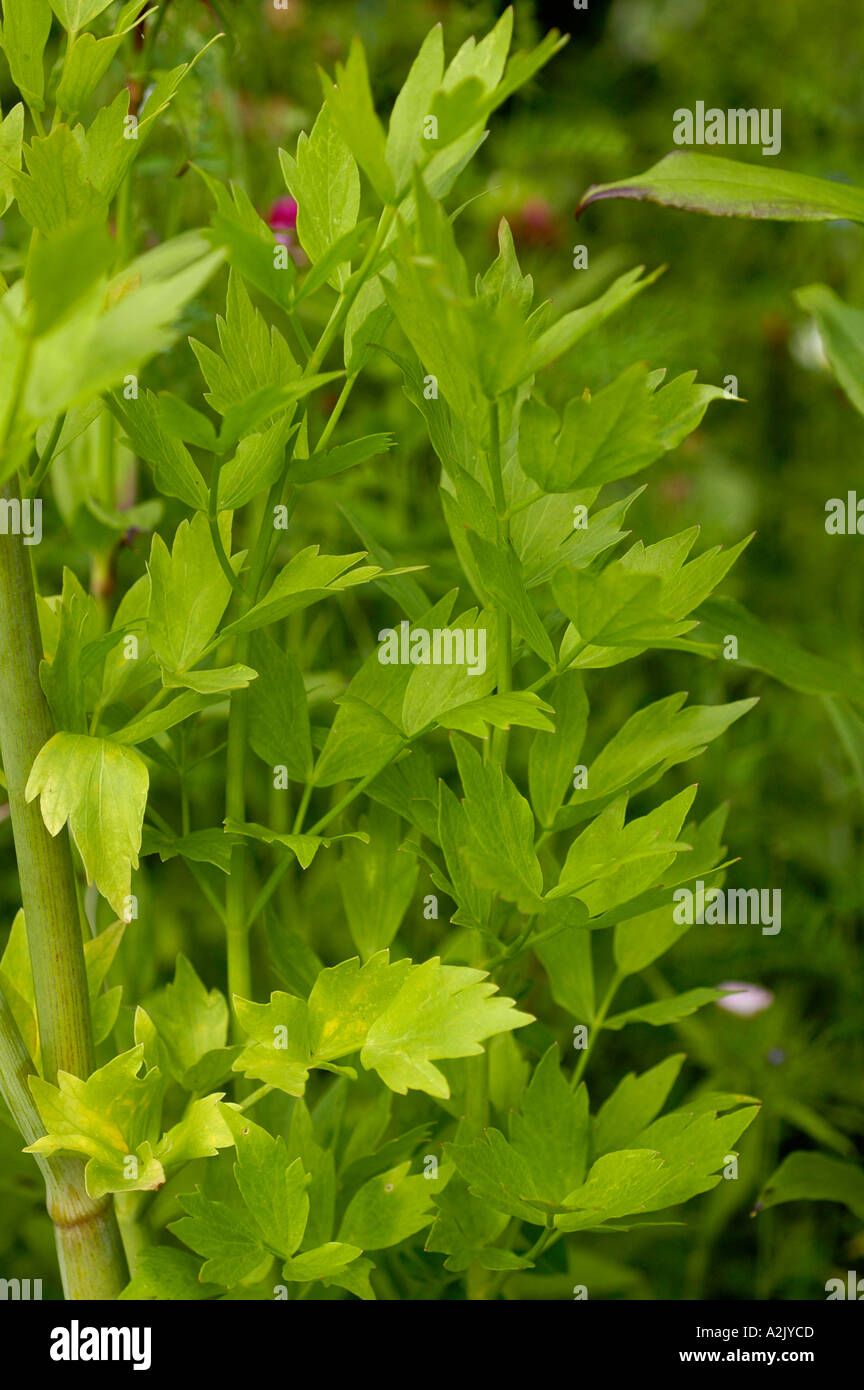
<point x="88" y="1240"/>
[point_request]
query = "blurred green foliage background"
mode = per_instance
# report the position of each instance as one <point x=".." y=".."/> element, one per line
<point x="602" y="110"/>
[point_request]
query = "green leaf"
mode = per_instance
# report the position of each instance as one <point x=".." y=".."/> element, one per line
<point x="681" y="1156"/>
<point x="504" y="581"/>
<point x="642" y="939"/>
<point x="99" y="953"/>
<point x="61" y="678"/>
<point x="634" y="1103"/>
<point x="617" y="432"/>
<point x="101" y="789"/>
<point x="74" y="14"/>
<point x="500" y="845"/>
<point x="189" y="1019"/>
<point x="814" y="1177"/>
<point x="440" y="1011"/>
<point x="402" y="1016"/>
<point x="273" y="1188"/>
<point x="227" y="1238"/>
<point x="499" y="712"/>
<point x="166" y="1275"/>
<point x="159" y="720"/>
<point x="350" y="102"/>
<point x="326" y="1262"/>
<point x="325" y="183"/>
<point x="333" y="461"/>
<point x="54" y="192"/>
<point x="376" y="883"/>
<point x="174" y="469"/>
<point x="433" y="689"/>
<point x="253" y="354"/>
<point x="11" y="141"/>
<point x="88" y="59"/>
<point x="278" y="712"/>
<point x="567" y="960"/>
<point x="765" y="649"/>
<point x="529" y="1176"/>
<point x="388" y="1209"/>
<point x="725" y="188"/>
<point x="612" y="862"/>
<point x="615" y="607"/>
<point x="561" y="336"/>
<point x="405" y="144"/>
<point x="26" y="26"/>
<point x="647" y="744"/>
<point x="666" y="1010"/>
<point x="551" y="1130"/>
<point x="554" y="757"/>
<point x="303" y="847"/>
<point x="201" y="1133"/>
<point x="250" y="244"/>
<point x="211" y="681"/>
<point x="188" y="592"/>
<point x="463" y="1226"/>
<point x="305" y="580"/>
<point x="107" y="1118"/>
<point x="279" y="1053"/>
<point x="841" y="329"/>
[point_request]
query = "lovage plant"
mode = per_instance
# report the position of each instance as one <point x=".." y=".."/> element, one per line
<point x="419" y="1078"/>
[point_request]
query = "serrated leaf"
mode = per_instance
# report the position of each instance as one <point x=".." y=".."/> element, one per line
<point x="273" y="1188"/>
<point x="101" y="789"/>
<point x="635" y="1102"/>
<point x="353" y="111"/>
<point x="500" y="848"/>
<point x="553" y="757"/>
<point x="685" y="1157"/>
<point x="190" y="1019"/>
<point x="107" y="1118"/>
<point x="522" y="707"/>
<point x="26" y="26"/>
<point x="377" y="884"/>
<point x="306" y="579"/>
<point x="388" y="1209"/>
<point x="303" y="847"/>
<point x="188" y="593"/>
<point x="324" y="180"/>
<point x="278" y="710"/>
<point x="402" y="1016"/>
<point x="166" y="1275"/>
<point x="201" y="1133"/>
<point x="227" y="1238"/>
<point x="440" y="1011"/>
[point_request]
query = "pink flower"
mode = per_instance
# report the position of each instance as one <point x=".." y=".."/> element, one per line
<point x="748" y="1000"/>
<point x="283" y="216"/>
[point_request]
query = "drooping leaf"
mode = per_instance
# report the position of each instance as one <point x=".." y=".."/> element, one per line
<point x="814" y="1177"/>
<point x="101" y="789"/>
<point x="726" y="188"/>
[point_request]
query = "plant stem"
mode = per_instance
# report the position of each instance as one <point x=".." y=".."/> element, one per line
<point x="87" y="1236"/>
<point x="596" y="1028"/>
<point x="44" y="463"/>
<point x="500" y="737"/>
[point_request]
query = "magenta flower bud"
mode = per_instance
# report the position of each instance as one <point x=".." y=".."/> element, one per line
<point x="283" y="215"/>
